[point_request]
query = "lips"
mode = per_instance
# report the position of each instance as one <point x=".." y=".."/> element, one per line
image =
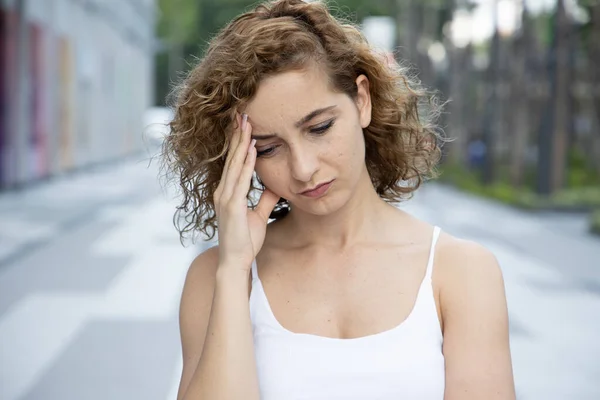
<point x="318" y="190"/>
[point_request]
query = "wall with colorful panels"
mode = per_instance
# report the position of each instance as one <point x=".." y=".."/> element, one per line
<point x="75" y="79"/>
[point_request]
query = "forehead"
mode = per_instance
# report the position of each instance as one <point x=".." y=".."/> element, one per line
<point x="286" y="97"/>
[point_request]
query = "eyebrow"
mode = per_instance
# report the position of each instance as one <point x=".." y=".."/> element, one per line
<point x="312" y="115"/>
<point x="308" y="117"/>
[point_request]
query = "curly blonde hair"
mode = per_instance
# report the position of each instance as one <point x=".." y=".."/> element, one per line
<point x="402" y="142"/>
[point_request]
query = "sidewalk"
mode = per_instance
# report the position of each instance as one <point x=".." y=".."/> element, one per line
<point x="89" y="300"/>
<point x="561" y="240"/>
<point x="31" y="217"/>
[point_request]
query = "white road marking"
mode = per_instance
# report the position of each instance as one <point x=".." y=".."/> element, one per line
<point x="38" y="328"/>
<point x="33" y="333"/>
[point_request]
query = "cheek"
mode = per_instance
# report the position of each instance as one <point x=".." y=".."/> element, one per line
<point x="350" y="146"/>
<point x="359" y="142"/>
<point x="271" y="176"/>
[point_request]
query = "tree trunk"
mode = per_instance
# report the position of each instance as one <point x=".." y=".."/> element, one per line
<point x="490" y="112"/>
<point x="520" y="102"/>
<point x="458" y="118"/>
<point x="562" y="103"/>
<point x="594" y="57"/>
<point x="412" y="25"/>
<point x="594" y="74"/>
<point x="555" y="124"/>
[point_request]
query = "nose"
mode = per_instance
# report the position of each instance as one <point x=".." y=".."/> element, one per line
<point x="304" y="162"/>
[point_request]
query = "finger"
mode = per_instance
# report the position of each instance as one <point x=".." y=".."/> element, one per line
<point x="266" y="204"/>
<point x="237" y="160"/>
<point x="243" y="186"/>
<point x="233" y="145"/>
<point x="235" y="139"/>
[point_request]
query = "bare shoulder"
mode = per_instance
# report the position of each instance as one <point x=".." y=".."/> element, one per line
<point x="462" y="263"/>
<point x="203" y="268"/>
<point x="198" y="289"/>
<point x="467" y="273"/>
<point x="195" y="307"/>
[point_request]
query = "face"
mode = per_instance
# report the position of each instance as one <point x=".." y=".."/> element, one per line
<point x="310" y="143"/>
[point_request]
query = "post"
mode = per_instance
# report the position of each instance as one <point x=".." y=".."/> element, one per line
<point x="552" y="140"/>
<point x="490" y="114"/>
<point x="20" y="122"/>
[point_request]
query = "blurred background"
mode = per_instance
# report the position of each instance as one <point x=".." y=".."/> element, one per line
<point x="91" y="267"/>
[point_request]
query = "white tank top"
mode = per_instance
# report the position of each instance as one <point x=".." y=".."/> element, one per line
<point x="405" y="362"/>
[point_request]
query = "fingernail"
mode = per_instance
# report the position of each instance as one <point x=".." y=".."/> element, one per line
<point x="244" y="120"/>
<point x="252" y="143"/>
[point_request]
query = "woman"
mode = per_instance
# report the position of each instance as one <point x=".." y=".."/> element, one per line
<point x="341" y="295"/>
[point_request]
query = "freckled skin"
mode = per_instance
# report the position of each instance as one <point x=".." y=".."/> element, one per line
<point x="302" y="159"/>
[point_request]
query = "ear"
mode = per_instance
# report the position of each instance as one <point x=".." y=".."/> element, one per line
<point x="363" y="100"/>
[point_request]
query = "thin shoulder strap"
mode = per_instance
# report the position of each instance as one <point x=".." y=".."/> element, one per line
<point x="254" y="271"/>
<point x="436" y="235"/>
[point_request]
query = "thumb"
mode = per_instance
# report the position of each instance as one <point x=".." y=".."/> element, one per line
<point x="267" y="202"/>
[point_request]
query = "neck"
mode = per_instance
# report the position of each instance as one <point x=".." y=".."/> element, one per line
<point x="355" y="221"/>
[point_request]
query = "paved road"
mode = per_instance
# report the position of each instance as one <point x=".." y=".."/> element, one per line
<point x="91" y="272"/>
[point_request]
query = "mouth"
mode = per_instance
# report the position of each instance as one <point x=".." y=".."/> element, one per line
<point x="318" y="190"/>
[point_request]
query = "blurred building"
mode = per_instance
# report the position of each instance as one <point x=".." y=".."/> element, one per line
<point x="76" y="77"/>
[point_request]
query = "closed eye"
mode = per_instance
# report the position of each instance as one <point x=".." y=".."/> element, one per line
<point x="320" y="129"/>
<point x="265" y="152"/>
<point x="317" y="130"/>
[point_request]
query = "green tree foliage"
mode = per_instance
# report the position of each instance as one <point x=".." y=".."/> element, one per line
<point x="178" y="20"/>
<point x="194" y="22"/>
<point x="186" y="26"/>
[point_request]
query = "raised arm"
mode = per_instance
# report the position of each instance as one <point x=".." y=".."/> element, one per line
<point x="216" y="330"/>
